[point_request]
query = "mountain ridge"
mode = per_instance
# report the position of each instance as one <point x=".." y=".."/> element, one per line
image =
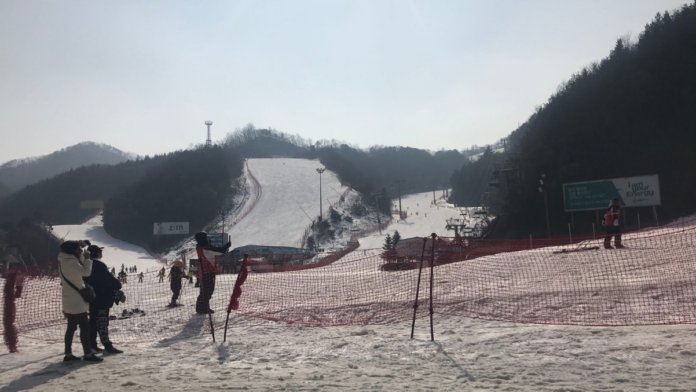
<point x="18" y="173"/>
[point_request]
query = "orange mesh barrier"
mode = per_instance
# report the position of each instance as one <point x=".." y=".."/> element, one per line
<point x="652" y="281"/>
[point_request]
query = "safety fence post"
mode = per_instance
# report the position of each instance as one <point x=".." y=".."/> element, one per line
<point x="432" y="271"/>
<point x="415" y="303"/>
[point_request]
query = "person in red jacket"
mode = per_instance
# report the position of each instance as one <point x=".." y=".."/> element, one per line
<point x="612" y="223"/>
<point x="207" y="268"/>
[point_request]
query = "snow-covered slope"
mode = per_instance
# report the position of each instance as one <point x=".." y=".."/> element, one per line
<point x="426" y="213"/>
<point x="288" y="201"/>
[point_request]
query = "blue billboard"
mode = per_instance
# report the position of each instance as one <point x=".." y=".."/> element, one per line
<point x="640" y="191"/>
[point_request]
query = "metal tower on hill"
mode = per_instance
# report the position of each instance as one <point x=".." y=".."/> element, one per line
<point x="208" y="142"/>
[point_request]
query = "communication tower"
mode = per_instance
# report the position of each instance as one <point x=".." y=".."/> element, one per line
<point x="208" y="142"/>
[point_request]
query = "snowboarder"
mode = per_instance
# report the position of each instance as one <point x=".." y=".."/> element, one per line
<point x="612" y="223"/>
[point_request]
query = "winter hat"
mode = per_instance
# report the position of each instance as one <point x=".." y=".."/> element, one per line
<point x="70" y="247"/>
<point x="95" y="252"/>
<point x="201" y="238"/>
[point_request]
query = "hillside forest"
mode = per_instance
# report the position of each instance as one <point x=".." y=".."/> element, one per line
<point x="631" y="114"/>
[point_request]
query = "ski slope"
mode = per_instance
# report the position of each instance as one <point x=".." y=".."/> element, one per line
<point x="287" y="201"/>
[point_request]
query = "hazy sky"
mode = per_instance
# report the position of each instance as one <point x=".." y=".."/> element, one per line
<point x="143" y="76"/>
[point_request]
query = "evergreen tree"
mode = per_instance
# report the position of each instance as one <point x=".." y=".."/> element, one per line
<point x="396" y="238"/>
<point x="388" y="243"/>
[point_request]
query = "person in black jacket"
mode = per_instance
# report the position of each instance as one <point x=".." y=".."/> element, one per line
<point x="108" y="290"/>
<point x="176" y="273"/>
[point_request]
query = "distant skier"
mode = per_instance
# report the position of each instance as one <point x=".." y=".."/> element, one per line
<point x="176" y="273"/>
<point x="612" y="223"/>
<point x="207" y="268"/>
<point x="140" y="277"/>
<point x="160" y="275"/>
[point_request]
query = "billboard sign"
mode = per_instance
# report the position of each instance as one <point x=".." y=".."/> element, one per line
<point x="169" y="228"/>
<point x="642" y="191"/>
<point x="218" y="239"/>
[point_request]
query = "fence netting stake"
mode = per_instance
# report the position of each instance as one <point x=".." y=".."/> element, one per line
<point x="415" y="303"/>
<point x="432" y="274"/>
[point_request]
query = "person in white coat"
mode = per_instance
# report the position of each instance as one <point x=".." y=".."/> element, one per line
<point x="75" y="264"/>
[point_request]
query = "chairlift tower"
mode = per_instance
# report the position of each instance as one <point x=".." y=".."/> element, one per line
<point x="208" y="142"/>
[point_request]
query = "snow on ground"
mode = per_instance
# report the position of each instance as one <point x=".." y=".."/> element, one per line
<point x="116" y="252"/>
<point x="425" y="215"/>
<point x="467" y="354"/>
<point x="288" y="202"/>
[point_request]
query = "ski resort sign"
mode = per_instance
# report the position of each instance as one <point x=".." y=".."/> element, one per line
<point x="643" y="191"/>
<point x="165" y="228"/>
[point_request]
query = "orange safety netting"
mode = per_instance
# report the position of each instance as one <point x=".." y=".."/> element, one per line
<point x="652" y="281"/>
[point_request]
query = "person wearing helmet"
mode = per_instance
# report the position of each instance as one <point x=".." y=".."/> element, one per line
<point x="207" y="268"/>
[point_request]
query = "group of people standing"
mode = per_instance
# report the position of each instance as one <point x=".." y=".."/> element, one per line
<point x="82" y="270"/>
<point x="89" y="290"/>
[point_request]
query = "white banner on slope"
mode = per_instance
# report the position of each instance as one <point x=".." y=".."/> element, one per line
<point x="167" y="228"/>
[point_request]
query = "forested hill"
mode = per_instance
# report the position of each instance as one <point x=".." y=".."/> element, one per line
<point x="17" y="174"/>
<point x="187" y="185"/>
<point x="633" y="113"/>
